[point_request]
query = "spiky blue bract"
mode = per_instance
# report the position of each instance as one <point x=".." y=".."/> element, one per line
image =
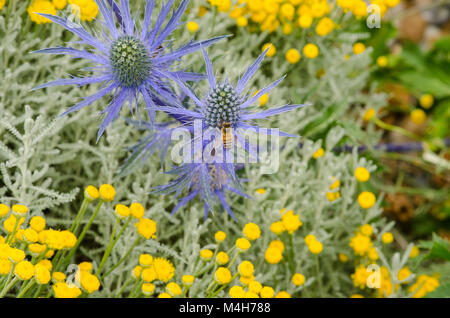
<point x="228" y="103"/>
<point x="130" y="61"/>
<point x="210" y="182"/>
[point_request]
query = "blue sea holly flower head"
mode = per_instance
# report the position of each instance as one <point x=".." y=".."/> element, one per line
<point x="209" y="181"/>
<point x="129" y="62"/>
<point x="228" y="106"/>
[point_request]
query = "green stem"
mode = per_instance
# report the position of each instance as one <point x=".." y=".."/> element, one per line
<point x="124" y="286"/>
<point x="109" y="248"/>
<point x="80" y="215"/>
<point x="38" y="291"/>
<point x="319" y="278"/>
<point x="234" y="259"/>
<point x="291" y="254"/>
<point x="122" y="230"/>
<point x="26" y="288"/>
<point x="396" y="129"/>
<point x="122" y="259"/>
<point x="11" y="235"/>
<point x="83" y="233"/>
<point x="8" y="287"/>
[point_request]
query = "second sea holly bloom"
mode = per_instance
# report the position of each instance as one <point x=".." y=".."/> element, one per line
<point x="130" y="61"/>
<point x="227" y="107"/>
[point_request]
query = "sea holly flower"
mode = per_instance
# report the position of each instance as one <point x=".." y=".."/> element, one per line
<point x="129" y="63"/>
<point x="227" y="104"/>
<point x="210" y="182"/>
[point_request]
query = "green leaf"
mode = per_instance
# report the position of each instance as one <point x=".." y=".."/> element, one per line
<point x="439" y="248"/>
<point x="442" y="291"/>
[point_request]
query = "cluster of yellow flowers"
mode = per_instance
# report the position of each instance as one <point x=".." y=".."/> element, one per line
<point x="152" y="269"/>
<point x="84" y="10"/>
<point x="84" y="281"/>
<point x="269" y="15"/>
<point x="36" y="254"/>
<point x="289" y="222"/>
<point x="366" y="254"/>
<point x="2" y="4"/>
<point x="334" y="195"/>
<point x="25" y="253"/>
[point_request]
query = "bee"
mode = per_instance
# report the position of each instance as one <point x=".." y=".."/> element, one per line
<point x="227" y="135"/>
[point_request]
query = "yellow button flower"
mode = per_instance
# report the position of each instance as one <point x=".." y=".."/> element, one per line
<point x="89" y="282"/>
<point x="173" y="289"/>
<point x="283" y="294"/>
<point x="360" y="244"/>
<point x="382" y="61"/>
<point x="237" y="292"/>
<point x="387" y="238"/>
<point x="362" y="174"/>
<point x="358" y="48"/>
<point x="220" y="236"/>
<point x="40" y="6"/>
<point x="59" y="4"/>
<point x="85" y="266"/>
<point x="137" y="210"/>
<point x="91" y="193"/>
<point x="5" y="266"/>
<point x="254" y="287"/>
<point x="206" y="254"/>
<point x="311" y="50"/>
<point x="122" y="211"/>
<point x="426" y="101"/>
<point x="366" y="229"/>
<point x="272" y="50"/>
<point x="137" y="271"/>
<point x="252" y="231"/>
<point x="267" y="292"/>
<point x="19" y="210"/>
<point x="42" y="274"/>
<point x="366" y="199"/>
<point x="222" y="275"/>
<point x="24" y="270"/>
<point x="277" y="244"/>
<point x="324" y="26"/>
<point x="58" y="277"/>
<point x="4" y="210"/>
<point x="414" y="252"/>
<point x="298" y="279"/>
<point x="148" y="274"/>
<point x="319" y="153"/>
<point x="187" y="280"/>
<point x="277" y="227"/>
<point x="107" y="192"/>
<point x="315" y="247"/>
<point x="146" y="228"/>
<point x="37" y="223"/>
<point x="369" y="114"/>
<point x="343" y="257"/>
<point x="418" y="116"/>
<point x="222" y="258"/>
<point x="145" y="260"/>
<point x="192" y="26"/>
<point x="164" y="269"/>
<point x="293" y="56"/>
<point x="242" y="244"/>
<point x="273" y="255"/>
<point x="148" y="289"/>
<point x="242" y="21"/>
<point x="246" y="268"/>
<point x="30" y="235"/>
<point x="305" y="21"/>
